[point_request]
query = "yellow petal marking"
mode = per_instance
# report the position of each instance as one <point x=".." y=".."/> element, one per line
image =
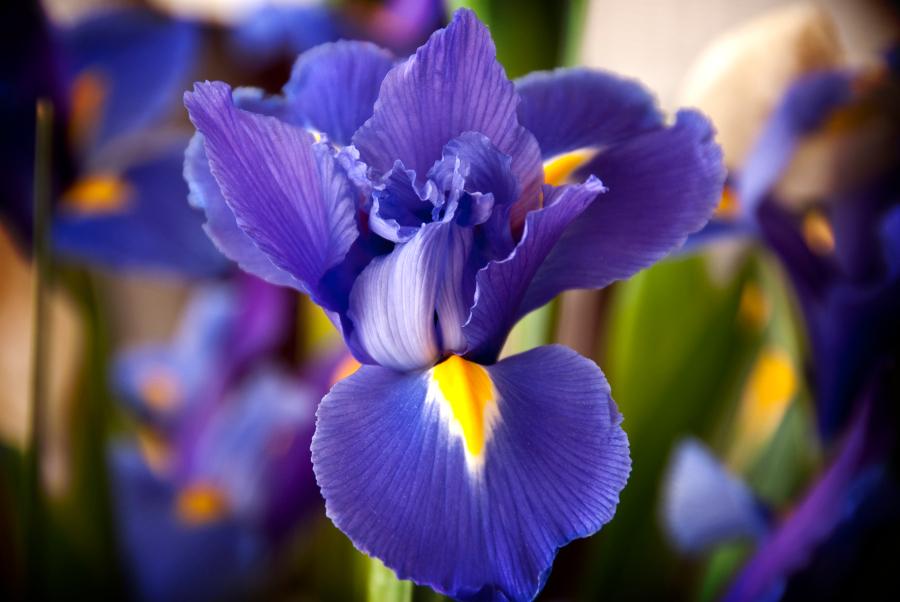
<point x="468" y="391"/>
<point x="728" y="207"/>
<point x="98" y="194"/>
<point x="160" y="389"/>
<point x="817" y="233"/>
<point x="200" y="504"/>
<point x="559" y="169"/>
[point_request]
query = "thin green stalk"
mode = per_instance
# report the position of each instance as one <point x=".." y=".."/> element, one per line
<point x="576" y="17"/>
<point x="383" y="585"/>
<point x="34" y="503"/>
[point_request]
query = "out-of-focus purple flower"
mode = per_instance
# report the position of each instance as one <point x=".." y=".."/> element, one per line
<point x="859" y="472"/>
<point x="400" y="25"/>
<point x="414" y="204"/>
<point x="113" y="78"/>
<point x="840" y="251"/>
<point x="277" y="31"/>
<point x="705" y="507"/>
<point x="841" y="254"/>
<point x="221" y="471"/>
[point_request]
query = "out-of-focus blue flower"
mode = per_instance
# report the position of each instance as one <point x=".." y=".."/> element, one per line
<point x="221" y="471"/>
<point x="113" y="78"/>
<point x="414" y="205"/>
<point x="704" y="505"/>
<point x="840" y="253"/>
<point x="858" y="473"/>
<point x="278" y="31"/>
<point x="400" y="25"/>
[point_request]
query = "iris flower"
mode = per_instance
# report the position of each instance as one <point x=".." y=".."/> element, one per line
<point x="113" y="78"/>
<point x="428" y="205"/>
<point x="807" y="551"/>
<point x="840" y="252"/>
<point x="220" y="472"/>
<point x="841" y="257"/>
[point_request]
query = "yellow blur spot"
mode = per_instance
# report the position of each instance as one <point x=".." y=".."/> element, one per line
<point x="558" y="170"/>
<point x="345" y="368"/>
<point x="754" y="309"/>
<point x="468" y="391"/>
<point x="817" y="233"/>
<point x="98" y="194"/>
<point x="88" y="95"/>
<point x="160" y="390"/>
<point x="769" y="390"/>
<point x="154" y="449"/>
<point x="729" y="206"/>
<point x="201" y="504"/>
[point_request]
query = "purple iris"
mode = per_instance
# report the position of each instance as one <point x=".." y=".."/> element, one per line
<point x="220" y="473"/>
<point x="814" y="548"/>
<point x="427" y="206"/>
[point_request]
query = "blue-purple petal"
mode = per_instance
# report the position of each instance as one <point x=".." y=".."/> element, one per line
<point x="830" y="501"/>
<point x="166" y="559"/>
<point x="394" y="299"/>
<point x="221" y="226"/>
<point x="568" y="109"/>
<point x="399" y="207"/>
<point x="486" y="170"/>
<point x="153" y="229"/>
<point x="453" y="84"/>
<point x="256" y="449"/>
<point x="274" y="32"/>
<point x="662" y="186"/>
<point x="502" y="284"/>
<point x="396" y="481"/>
<point x="288" y="194"/>
<point x="704" y="505"/>
<point x="805" y="106"/>
<point x="142" y="61"/>
<point x="333" y="87"/>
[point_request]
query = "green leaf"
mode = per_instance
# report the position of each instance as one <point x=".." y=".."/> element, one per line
<point x="676" y="354"/>
<point x="384" y="586"/>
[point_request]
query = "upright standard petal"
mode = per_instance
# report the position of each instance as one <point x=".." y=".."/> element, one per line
<point x="287" y="194"/>
<point x="704" y="505"/>
<point x="569" y="109"/>
<point x="468" y="479"/>
<point x="453" y="84"/>
<point x="393" y="303"/>
<point x="221" y="226"/>
<point x="663" y="185"/>
<point x="501" y="285"/>
<point x="333" y="87"/>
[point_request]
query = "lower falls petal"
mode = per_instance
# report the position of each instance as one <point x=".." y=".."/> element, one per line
<point x="469" y="478"/>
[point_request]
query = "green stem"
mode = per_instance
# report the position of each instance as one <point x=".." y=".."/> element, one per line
<point x="383" y="585"/>
<point x="576" y="17"/>
<point x="34" y="502"/>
